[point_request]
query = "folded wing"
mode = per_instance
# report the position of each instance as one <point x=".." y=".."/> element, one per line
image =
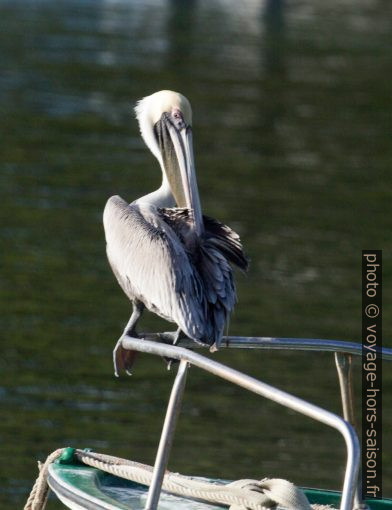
<point x="211" y="257"/>
<point x="151" y="265"/>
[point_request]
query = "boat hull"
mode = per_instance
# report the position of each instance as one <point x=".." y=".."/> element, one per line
<point x="81" y="487"/>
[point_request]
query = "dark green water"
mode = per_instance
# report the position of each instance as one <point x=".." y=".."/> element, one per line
<point x="292" y="130"/>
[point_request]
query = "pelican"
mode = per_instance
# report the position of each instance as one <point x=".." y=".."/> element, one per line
<point x="167" y="256"/>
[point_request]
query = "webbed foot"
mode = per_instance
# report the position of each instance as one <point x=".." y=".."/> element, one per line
<point x="123" y="359"/>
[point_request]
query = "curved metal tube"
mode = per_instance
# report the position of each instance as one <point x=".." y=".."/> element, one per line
<point x="272" y="393"/>
<point x="166" y="440"/>
<point x="271" y="343"/>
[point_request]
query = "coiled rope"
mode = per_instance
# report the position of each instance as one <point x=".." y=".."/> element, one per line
<point x="40" y="491"/>
<point x="240" y="495"/>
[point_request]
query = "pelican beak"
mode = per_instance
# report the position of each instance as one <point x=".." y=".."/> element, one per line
<point x="175" y="141"/>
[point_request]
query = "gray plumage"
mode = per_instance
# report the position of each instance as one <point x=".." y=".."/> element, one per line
<point x="158" y="261"/>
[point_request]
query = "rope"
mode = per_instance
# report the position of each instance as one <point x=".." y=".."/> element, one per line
<point x="240" y="495"/>
<point x="276" y="490"/>
<point x="40" y="491"/>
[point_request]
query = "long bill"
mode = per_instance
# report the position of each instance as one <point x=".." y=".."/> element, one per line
<point x="185" y="188"/>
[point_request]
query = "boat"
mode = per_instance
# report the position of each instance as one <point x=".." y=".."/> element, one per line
<point x="82" y="479"/>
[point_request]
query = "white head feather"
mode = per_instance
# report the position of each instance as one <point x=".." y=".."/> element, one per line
<point x="150" y="109"/>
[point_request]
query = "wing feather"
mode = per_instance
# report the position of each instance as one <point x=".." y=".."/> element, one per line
<point x="157" y="259"/>
<point x="216" y="249"/>
<point x="151" y="264"/>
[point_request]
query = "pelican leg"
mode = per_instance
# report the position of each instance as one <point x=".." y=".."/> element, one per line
<point x="175" y="337"/>
<point x="122" y="358"/>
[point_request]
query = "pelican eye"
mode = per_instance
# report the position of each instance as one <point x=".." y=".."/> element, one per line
<point x="177" y="119"/>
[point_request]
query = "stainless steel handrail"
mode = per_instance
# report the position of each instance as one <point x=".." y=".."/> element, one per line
<point x="162" y="458"/>
<point x="272" y="343"/>
<point x="251" y="384"/>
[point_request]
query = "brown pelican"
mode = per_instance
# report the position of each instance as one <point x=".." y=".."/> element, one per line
<point x="165" y="254"/>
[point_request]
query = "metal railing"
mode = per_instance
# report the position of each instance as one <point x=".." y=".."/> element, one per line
<point x="155" y="344"/>
<point x="275" y="343"/>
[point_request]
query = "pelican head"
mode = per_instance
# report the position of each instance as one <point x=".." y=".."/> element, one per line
<point x="165" y="121"/>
